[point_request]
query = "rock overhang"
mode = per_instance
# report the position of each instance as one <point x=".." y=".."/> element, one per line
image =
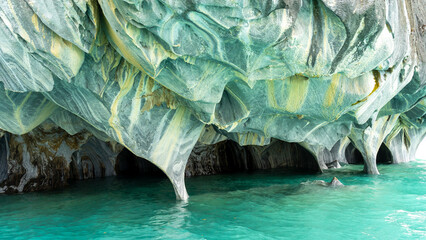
<point x="154" y="75"/>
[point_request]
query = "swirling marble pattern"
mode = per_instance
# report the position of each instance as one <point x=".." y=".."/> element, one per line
<point x="158" y="76"/>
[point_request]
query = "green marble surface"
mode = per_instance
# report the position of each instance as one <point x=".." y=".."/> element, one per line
<point x="158" y="76"/>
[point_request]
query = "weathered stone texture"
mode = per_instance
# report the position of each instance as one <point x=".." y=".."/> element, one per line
<point x="159" y="76"/>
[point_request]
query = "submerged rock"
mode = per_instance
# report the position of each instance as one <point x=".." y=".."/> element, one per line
<point x="158" y="77"/>
<point x="335" y="182"/>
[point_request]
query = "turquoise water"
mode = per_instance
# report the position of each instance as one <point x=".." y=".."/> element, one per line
<point x="259" y="205"/>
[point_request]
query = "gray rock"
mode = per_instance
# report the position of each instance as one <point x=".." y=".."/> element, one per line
<point x="335" y="183"/>
<point x="334" y="164"/>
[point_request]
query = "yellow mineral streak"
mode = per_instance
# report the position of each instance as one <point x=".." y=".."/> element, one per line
<point x="126" y="52"/>
<point x="343" y="143"/>
<point x="232" y="126"/>
<point x="136" y="103"/>
<point x="156" y="98"/>
<point x="268" y="123"/>
<point x="331" y="91"/>
<point x="17" y="113"/>
<point x="152" y="56"/>
<point x="125" y="80"/>
<point x="237" y="98"/>
<point x="340" y="99"/>
<point x="169" y="142"/>
<point x="21" y="30"/>
<point x="55" y="48"/>
<point x="326" y="29"/>
<point x="298" y="90"/>
<point x="134" y="33"/>
<point x="65" y="51"/>
<point x="376" y="86"/>
<point x="43" y="111"/>
<point x="140" y="90"/>
<point x="34" y="19"/>
<point x="94" y="8"/>
<point x="190" y="59"/>
<point x="112" y="62"/>
<point x="250" y="138"/>
<point x="262" y="141"/>
<point x="272" y="101"/>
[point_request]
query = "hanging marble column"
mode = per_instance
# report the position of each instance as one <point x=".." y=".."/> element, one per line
<point x="338" y="150"/>
<point x="173" y="148"/>
<point x="368" y="140"/>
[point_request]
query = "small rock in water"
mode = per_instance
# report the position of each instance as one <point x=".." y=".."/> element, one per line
<point x="335" y="182"/>
<point x="334" y="164"/>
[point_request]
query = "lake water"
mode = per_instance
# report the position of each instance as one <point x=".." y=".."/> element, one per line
<point x="256" y="205"/>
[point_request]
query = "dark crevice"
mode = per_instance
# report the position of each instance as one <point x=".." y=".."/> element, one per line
<point x="384" y="156"/>
<point x="229" y="156"/>
<point x="226" y="157"/>
<point x="353" y="155"/>
<point x="130" y="165"/>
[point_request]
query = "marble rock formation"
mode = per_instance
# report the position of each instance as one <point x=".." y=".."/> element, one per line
<point x="48" y="157"/>
<point x="158" y="77"/>
<point x="335" y="182"/>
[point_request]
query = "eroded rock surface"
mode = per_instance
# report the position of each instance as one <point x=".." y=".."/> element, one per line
<point x="160" y="76"/>
<point x="48" y="158"/>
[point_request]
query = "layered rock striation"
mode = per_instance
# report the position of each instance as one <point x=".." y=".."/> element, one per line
<point x="80" y="80"/>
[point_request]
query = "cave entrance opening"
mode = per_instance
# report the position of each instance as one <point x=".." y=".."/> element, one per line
<point x="384" y="155"/>
<point x="130" y="165"/>
<point x="353" y="155"/>
<point x="229" y="157"/>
